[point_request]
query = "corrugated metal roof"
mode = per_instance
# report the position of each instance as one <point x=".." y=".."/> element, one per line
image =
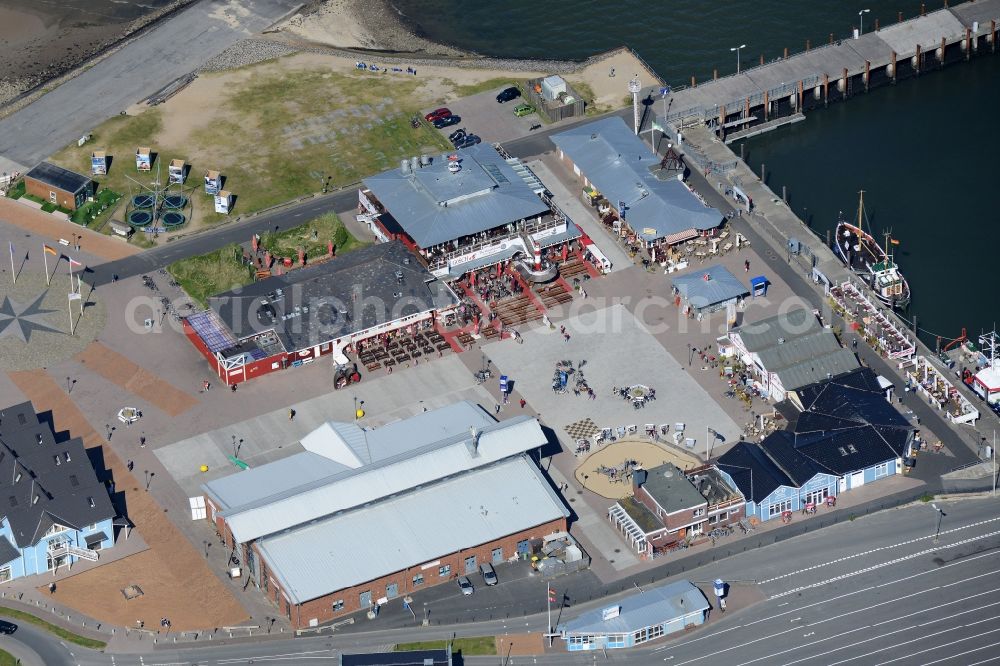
<point x="710" y="286"/>
<point x="818" y="367"/>
<point x="619" y="165"/>
<point x="434" y="205"/>
<point x="408" y="456"/>
<point x="651" y="606"/>
<point x="409" y="529"/>
<point x="272" y="479"/>
<point x="787" y="326"/>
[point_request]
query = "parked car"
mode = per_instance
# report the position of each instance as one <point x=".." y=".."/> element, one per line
<point x="456" y="135"/>
<point x="468" y="140"/>
<point x="489" y="575"/>
<point x="443" y="112"/>
<point x="508" y="94"/>
<point x="447" y="121"/>
<point x="7" y="627"/>
<point x="523" y="110"/>
<point x="466" y="585"/>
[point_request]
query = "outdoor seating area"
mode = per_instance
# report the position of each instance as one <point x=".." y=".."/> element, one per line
<point x="871" y="323"/>
<point x="931" y="383"/>
<point x="553" y="295"/>
<point x="402" y="346"/>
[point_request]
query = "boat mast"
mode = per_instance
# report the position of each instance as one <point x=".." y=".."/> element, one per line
<point x="861" y="209"/>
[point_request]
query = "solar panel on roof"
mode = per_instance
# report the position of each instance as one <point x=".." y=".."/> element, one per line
<point x="257" y="354"/>
<point x="211" y="331"/>
<point x="495" y="173"/>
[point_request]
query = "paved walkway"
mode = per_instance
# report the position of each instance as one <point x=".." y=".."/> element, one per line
<point x="136" y="380"/>
<point x="52" y="229"/>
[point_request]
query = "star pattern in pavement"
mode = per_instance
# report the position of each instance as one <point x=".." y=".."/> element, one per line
<point x="20" y="321"/>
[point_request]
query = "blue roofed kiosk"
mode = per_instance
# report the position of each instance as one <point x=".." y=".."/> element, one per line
<point x="644" y="616"/>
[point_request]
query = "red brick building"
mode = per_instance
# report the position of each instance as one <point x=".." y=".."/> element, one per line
<point x="365" y="516"/>
<point x="62" y="187"/>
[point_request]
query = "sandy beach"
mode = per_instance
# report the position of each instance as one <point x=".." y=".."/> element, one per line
<point x="39" y="42"/>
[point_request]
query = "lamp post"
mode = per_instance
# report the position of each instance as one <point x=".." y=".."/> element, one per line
<point x="738" y="49"/>
<point x="940" y="514"/>
<point x="861" y="19"/>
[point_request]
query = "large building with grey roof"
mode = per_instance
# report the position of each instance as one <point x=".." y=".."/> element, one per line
<point x="656" y="207"/>
<point x="791" y="350"/>
<point x="434" y="495"/>
<point x="471" y="209"/>
<point x="55" y="510"/>
<point x="294" y="318"/>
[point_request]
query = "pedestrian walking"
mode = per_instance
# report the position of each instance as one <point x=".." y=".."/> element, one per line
<point x="497" y="408"/>
<point x="206" y="385"/>
<point x="746" y="265"/>
<point x="142" y="441"/>
<point x="854" y="343"/>
<point x="131" y="465"/>
<point x="291" y="414"/>
<point x="233" y="388"/>
<point x="523" y="403"/>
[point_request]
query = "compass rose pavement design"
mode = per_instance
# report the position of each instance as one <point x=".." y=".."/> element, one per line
<point x="20" y="320"/>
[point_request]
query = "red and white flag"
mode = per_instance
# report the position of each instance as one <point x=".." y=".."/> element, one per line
<point x="73" y="262"/>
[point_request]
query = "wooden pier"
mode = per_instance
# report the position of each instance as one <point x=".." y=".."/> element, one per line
<point x="836" y="71"/>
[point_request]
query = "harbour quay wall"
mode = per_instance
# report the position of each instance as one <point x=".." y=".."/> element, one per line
<point x="757" y="96"/>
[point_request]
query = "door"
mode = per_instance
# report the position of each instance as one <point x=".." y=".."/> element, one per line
<point x="523" y="547"/>
<point x="857" y="479"/>
<point x="470" y="564"/>
<point x="365" y="600"/>
<point x="497" y="556"/>
<point x="842" y="483"/>
<point x="392" y="590"/>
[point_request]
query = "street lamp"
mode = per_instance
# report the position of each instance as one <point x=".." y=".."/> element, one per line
<point x="940" y="513"/>
<point x="738" y="49"/>
<point x="861" y="19"/>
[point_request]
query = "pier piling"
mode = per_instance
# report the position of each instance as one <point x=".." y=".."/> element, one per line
<point x="784" y="193"/>
<point x="916" y="60"/>
<point x="715" y="74"/>
<point x="899" y="17"/>
<point x="892" y="70"/>
<point x="786" y="53"/>
<point x="763" y="173"/>
<point x="807" y="45"/>
<point x="876" y="25"/>
<point x="868" y="71"/>
<point x="923" y="9"/>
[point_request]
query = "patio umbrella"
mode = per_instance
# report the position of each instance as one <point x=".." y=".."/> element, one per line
<point x="565" y="251"/>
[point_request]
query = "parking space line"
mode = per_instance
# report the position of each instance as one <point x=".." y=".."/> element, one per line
<point x="936" y="647"/>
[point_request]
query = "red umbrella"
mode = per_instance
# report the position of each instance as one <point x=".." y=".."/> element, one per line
<point x="565" y="251"/>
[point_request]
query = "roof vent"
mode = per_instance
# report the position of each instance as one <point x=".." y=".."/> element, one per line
<point x="781" y="341"/>
<point x="669" y="473"/>
<point x="593" y="136"/>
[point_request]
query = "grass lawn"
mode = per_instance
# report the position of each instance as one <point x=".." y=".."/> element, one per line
<point x="210" y="274"/>
<point x="312" y="237"/>
<point x="65" y="634"/>
<point x="97" y="210"/>
<point x="469" y="647"/>
<point x="489" y="84"/>
<point x="17" y="191"/>
<point x="213" y="273"/>
<point x="7" y="659"/>
<point x="276" y="131"/>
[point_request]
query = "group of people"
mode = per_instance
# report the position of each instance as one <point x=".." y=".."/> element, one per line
<point x="370" y="67"/>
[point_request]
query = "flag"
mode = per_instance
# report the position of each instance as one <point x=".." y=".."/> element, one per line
<point x="73" y="262"/>
<point x="894" y="241"/>
<point x="552" y="595"/>
<point x="75" y="296"/>
<point x="49" y="250"/>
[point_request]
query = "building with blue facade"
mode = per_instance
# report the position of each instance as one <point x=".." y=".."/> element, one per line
<point x="646" y="615"/>
<point x="842" y="433"/>
<point x="55" y="510"/>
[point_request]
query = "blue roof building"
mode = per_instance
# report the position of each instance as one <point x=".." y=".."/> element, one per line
<point x="710" y="289"/>
<point x="609" y="156"/>
<point x="644" y="616"/>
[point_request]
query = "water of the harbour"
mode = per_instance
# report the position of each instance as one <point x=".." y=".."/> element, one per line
<point x="924" y="150"/>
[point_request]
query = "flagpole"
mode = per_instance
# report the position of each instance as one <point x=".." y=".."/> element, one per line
<point x="45" y="258"/>
<point x="69" y="307"/>
<point x="548" y="598"/>
<point x="13" y="275"/>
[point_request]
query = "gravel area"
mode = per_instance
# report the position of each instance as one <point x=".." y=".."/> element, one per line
<point x="247" y="52"/>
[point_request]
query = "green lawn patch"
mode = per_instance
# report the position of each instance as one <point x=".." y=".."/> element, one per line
<point x="65" y="634"/>
<point x="313" y="237"/>
<point x="7" y="659"/>
<point x="209" y="274"/>
<point x="17" y="191"/>
<point x="489" y="84"/>
<point x="92" y="211"/>
<point x="36" y="199"/>
<point x="469" y="647"/>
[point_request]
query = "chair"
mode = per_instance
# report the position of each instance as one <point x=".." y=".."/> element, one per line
<point x="608" y="434"/>
<point x="678" y="436"/>
<point x="689" y="442"/>
<point x="664" y="429"/>
<point x="678" y="427"/>
<point x="632" y="429"/>
<point x="621" y="432"/>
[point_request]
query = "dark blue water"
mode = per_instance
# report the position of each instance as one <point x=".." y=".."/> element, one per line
<point x="923" y="150"/>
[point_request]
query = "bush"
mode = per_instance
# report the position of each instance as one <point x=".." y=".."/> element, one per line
<point x="341" y="236"/>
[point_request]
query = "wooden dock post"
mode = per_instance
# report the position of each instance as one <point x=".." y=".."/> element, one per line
<point x="763" y="172"/>
<point x="847" y="84"/>
<point x="766" y="104"/>
<point x="746" y="113"/>
<point x="941" y="52"/>
<point x="786" y="53"/>
<point x="762" y="58"/>
<point x="802" y="98"/>
<point x="722" y="117"/>
<point x="899" y="17"/>
<point x="826" y="89"/>
<point x="868" y="71"/>
<point x="715" y="74"/>
<point x="892" y="73"/>
<point x="876" y="25"/>
<point x="693" y="82"/>
<point x="922" y="9"/>
<point x="968" y="43"/>
<point x="993" y="36"/>
<point x="916" y="58"/>
<point x="831" y="38"/>
<point x="784" y="193"/>
<point x="807" y="45"/>
<point x="743" y="145"/>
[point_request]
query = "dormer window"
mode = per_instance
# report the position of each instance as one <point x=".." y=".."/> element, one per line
<point x="39" y="436"/>
<point x="57" y="459"/>
<point x="17" y="477"/>
<point x="66" y="456"/>
<point x="90" y="501"/>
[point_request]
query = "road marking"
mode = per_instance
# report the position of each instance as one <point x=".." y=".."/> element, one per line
<point x="791" y="649"/>
<point x="957" y="601"/>
<point x="312" y="654"/>
<point x="936" y="647"/>
<point x="847" y="594"/>
<point x="985" y="661"/>
<point x="881" y="548"/>
<point x="881" y="565"/>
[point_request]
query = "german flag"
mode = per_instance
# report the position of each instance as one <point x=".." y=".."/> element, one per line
<point x="50" y="250"/>
<point x="894" y="241"/>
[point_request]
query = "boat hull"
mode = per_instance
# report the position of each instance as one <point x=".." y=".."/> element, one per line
<point x="860" y="252"/>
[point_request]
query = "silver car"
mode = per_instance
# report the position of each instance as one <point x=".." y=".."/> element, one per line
<point x="466" y="585"/>
<point x="489" y="575"/>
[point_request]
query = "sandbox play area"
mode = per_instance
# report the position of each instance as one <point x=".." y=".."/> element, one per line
<point x="608" y="470"/>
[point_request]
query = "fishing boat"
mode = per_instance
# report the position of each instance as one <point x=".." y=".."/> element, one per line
<point x="863" y="255"/>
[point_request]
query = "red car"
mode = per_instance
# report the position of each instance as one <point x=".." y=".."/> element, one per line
<point x="439" y="113"/>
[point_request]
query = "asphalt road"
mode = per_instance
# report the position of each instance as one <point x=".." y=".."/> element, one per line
<point x="168" y="51"/>
<point x="877" y="590"/>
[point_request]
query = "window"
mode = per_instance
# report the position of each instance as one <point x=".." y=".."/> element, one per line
<point x="850" y="447"/>
<point x="338" y="605"/>
<point x="90" y="527"/>
<point x="640" y="636"/>
<point x="418" y="580"/>
<point x="817" y="496"/>
<point x="698" y="512"/>
<point x="52" y="196"/>
<point x="656" y="631"/>
<point x="444" y="570"/>
<point x="4" y="574"/>
<point x="55" y="529"/>
<point x="776" y="509"/>
<point x="881" y="470"/>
